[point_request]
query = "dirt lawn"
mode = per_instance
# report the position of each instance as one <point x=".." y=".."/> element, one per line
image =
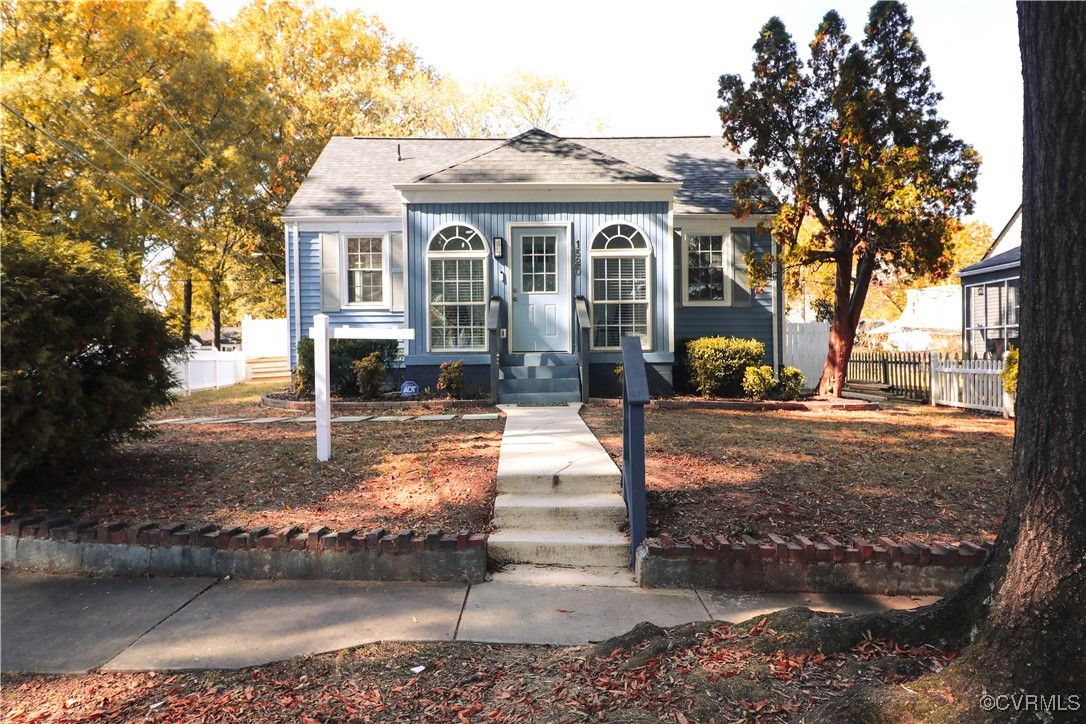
<point x="421" y="475"/>
<point x="906" y="471"/>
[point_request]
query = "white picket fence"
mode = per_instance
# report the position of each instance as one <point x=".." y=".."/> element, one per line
<point x="209" y="369"/>
<point x="973" y="384"/>
<point x="805" y="345"/>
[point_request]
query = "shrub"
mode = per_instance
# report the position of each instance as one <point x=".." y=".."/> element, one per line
<point x="85" y="357"/>
<point x="451" y="379"/>
<point x="620" y="373"/>
<point x="1009" y="375"/>
<point x="791" y="383"/>
<point x="717" y="364"/>
<point x="758" y="382"/>
<point x="369" y="375"/>
<point x="343" y="353"/>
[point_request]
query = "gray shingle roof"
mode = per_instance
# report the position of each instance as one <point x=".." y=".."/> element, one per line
<point x="356" y="176"/>
<point x="1014" y="256"/>
<point x="540" y="157"/>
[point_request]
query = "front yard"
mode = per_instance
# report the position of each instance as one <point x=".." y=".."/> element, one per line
<point x="421" y="475"/>
<point x="906" y="471"/>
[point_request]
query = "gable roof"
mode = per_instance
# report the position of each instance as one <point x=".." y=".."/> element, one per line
<point x="355" y="176"/>
<point x="1006" y="260"/>
<point x="1010" y="237"/>
<point x="540" y="157"/>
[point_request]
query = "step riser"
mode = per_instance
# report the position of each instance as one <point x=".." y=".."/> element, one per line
<point x="540" y="385"/>
<point x="537" y="485"/>
<point x="564" y="554"/>
<point x="559" y="518"/>
<point x="538" y="398"/>
<point x="540" y="373"/>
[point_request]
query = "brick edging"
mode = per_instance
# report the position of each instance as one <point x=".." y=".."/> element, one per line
<point x="339" y="406"/>
<point x="750" y="405"/>
<point x="108" y="547"/>
<point x="802" y="563"/>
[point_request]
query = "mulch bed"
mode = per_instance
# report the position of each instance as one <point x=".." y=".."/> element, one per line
<point x="907" y="471"/>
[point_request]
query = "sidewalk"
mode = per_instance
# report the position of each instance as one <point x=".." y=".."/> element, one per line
<point x="70" y="624"/>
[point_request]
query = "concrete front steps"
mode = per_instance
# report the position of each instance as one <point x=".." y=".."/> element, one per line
<point x="558" y="511"/>
<point x="267" y="368"/>
<point x="539" y="379"/>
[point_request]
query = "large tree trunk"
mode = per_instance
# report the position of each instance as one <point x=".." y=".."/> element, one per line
<point x="849" y="299"/>
<point x="216" y="314"/>
<point x="1034" y="639"/>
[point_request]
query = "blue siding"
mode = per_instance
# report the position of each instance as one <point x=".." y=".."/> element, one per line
<point x="491" y="219"/>
<point x="310" y="296"/>
<point x="754" y="322"/>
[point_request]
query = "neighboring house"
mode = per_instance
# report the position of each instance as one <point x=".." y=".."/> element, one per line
<point x="423" y="233"/>
<point x="990" y="295"/>
<point x="928" y="322"/>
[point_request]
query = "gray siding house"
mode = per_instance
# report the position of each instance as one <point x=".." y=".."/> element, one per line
<point x="444" y="236"/>
<point x="990" y="299"/>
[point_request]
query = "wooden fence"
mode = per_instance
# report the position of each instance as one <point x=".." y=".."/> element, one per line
<point x="906" y="374"/>
<point x="974" y="384"/>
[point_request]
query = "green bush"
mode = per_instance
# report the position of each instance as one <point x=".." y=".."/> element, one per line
<point x="369" y="375"/>
<point x="343" y="353"/>
<point x="758" y="382"/>
<point x="1009" y="375"/>
<point x="450" y="378"/>
<point x="85" y="357"/>
<point x="717" y="364"/>
<point x="791" y="383"/>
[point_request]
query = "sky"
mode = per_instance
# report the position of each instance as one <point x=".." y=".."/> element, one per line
<point x="651" y="68"/>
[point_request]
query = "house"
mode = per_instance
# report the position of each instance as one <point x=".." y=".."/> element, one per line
<point x="444" y="236"/>
<point x="928" y="322"/>
<point x="990" y="295"/>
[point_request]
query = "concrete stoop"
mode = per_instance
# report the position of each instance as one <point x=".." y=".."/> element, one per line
<point x="558" y="511"/>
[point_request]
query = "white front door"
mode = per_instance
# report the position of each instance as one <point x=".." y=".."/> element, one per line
<point x="540" y="290"/>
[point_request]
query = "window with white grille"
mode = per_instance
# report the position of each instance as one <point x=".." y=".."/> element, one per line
<point x="456" y="258"/>
<point x="621" y="288"/>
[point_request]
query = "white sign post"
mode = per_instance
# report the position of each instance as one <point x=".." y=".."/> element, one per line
<point x="321" y="334"/>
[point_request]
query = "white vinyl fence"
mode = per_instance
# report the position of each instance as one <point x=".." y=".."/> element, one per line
<point x="209" y="369"/>
<point x="974" y="384"/>
<point x="264" y="337"/>
<point x="805" y="345"/>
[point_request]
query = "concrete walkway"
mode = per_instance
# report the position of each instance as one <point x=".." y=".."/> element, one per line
<point x="70" y="624"/>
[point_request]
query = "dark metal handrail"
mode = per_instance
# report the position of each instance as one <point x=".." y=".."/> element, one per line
<point x="635" y="395"/>
<point x="584" y="327"/>
<point x="493" y="325"/>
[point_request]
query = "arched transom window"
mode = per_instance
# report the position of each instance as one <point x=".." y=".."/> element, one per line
<point x="457" y="257"/>
<point x="621" y="286"/>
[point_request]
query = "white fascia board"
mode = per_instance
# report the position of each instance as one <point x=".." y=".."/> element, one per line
<point x="988" y="270"/>
<point x="347" y="224"/>
<point x="684" y="221"/>
<point x="422" y="193"/>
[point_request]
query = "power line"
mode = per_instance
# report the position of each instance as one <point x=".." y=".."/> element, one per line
<point x="129" y="161"/>
<point x="83" y="157"/>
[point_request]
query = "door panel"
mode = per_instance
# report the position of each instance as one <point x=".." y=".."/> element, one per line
<point x="540" y="296"/>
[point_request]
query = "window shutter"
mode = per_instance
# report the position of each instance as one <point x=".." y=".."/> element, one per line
<point x="330" y="301"/>
<point x="740" y="285"/>
<point x="396" y="272"/>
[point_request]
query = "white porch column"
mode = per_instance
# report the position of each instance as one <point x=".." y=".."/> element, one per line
<point x="321" y="374"/>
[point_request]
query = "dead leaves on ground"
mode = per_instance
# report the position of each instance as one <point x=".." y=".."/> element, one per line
<point x="717" y="675"/>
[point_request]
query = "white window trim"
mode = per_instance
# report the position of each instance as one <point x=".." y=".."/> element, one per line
<point x="650" y="278"/>
<point x="485" y="256"/>
<point x="724" y="230"/>
<point x="386" y="269"/>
